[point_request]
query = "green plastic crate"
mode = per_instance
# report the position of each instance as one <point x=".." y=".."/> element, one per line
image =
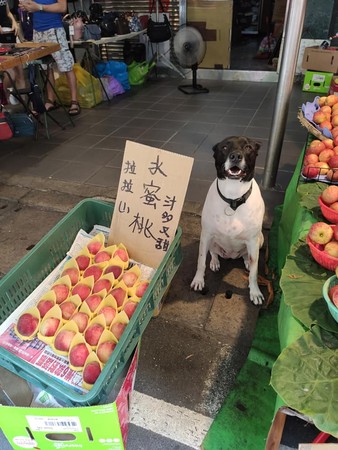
<point x="23" y="278"/>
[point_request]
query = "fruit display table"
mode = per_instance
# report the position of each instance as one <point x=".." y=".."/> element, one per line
<point x="305" y="374"/>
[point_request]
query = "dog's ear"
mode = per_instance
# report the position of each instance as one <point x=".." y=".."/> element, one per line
<point x="255" y="144"/>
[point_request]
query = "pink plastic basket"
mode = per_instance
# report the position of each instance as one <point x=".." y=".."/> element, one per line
<point x="330" y="214"/>
<point x="321" y="257"/>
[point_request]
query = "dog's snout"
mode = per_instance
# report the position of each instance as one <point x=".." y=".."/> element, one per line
<point x="235" y="157"/>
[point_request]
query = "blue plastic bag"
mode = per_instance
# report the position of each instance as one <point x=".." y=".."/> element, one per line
<point x="116" y="69"/>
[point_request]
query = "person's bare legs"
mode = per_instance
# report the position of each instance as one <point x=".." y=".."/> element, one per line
<point x="50" y="103"/>
<point x="74" y="108"/>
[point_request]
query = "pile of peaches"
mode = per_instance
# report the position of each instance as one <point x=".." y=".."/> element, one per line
<point x="327" y="114"/>
<point x="87" y="308"/>
<point x="321" y="159"/>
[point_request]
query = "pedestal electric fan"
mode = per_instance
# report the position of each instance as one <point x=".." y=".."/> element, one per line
<point x="189" y="48"/>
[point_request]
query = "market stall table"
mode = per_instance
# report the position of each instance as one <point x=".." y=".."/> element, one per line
<point x="305" y="373"/>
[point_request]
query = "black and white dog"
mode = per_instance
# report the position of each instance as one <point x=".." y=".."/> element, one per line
<point x="233" y="213"/>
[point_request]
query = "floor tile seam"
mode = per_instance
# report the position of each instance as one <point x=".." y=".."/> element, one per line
<point x="257" y="109"/>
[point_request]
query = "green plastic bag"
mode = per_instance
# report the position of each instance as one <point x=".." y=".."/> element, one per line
<point x="138" y="72"/>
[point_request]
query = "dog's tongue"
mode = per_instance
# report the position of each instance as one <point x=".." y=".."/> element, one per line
<point x="235" y="171"/>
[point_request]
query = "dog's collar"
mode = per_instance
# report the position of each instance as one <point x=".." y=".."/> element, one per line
<point x="235" y="202"/>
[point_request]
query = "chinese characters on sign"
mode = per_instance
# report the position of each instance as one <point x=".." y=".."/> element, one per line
<point x="149" y="202"/>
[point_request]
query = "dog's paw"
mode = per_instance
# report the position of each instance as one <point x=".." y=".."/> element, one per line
<point x="214" y="263"/>
<point x="257" y="297"/>
<point x="197" y="284"/>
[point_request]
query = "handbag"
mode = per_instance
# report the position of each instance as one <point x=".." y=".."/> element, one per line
<point x="6" y="126"/>
<point x="122" y="24"/>
<point x="24" y="124"/>
<point x="91" y="32"/>
<point x="159" y="31"/>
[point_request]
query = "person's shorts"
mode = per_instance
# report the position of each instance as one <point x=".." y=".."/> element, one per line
<point x="63" y="58"/>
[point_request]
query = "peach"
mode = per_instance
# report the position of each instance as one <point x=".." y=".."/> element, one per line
<point x="326" y="109"/>
<point x="109" y="313"/>
<point x="119" y="295"/>
<point x="333" y="162"/>
<point x="310" y="172"/>
<point x="73" y="274"/>
<point x="316" y="146"/>
<point x="94" y="247"/>
<point x="129" y="308"/>
<point x="104" y="350"/>
<point x="82" y="290"/>
<point x="63" y="340"/>
<point x="334" y="120"/>
<point x="93" y="333"/>
<point x="117" y="329"/>
<point x="44" y="306"/>
<point x="335" y="149"/>
<point x="94" y="271"/>
<point x="93" y="301"/>
<point x="115" y="270"/>
<point x="83" y="261"/>
<point x="122" y="254"/>
<point x="78" y="355"/>
<point x="141" y="288"/>
<point x="91" y="372"/>
<point x="104" y="283"/>
<point x="61" y="292"/>
<point x="27" y="324"/>
<point x="334" y="133"/>
<point x="67" y="309"/>
<point x="49" y="326"/>
<point x="321" y="101"/>
<point x="129" y="278"/>
<point x="81" y="319"/>
<point x="102" y="256"/>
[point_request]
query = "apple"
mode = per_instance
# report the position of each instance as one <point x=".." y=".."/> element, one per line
<point x="321" y="101"/>
<point x="328" y="142"/>
<point x="320" y="233"/>
<point x="91" y="372"/>
<point x="335" y="140"/>
<point x="27" y="324"/>
<point x="326" y="110"/>
<point x="104" y="350"/>
<point x="332" y="290"/>
<point x="310" y="159"/>
<point x="326" y="124"/>
<point x="334" y="299"/>
<point x="319" y="117"/>
<point x="310" y="172"/>
<point x="334" y="206"/>
<point x="326" y="155"/>
<point x="332" y="175"/>
<point x="333" y="162"/>
<point x="332" y="248"/>
<point x="335" y="232"/>
<point x="331" y="100"/>
<point x="330" y="194"/>
<point x="323" y="167"/>
<point x="316" y="146"/>
<point x="334" y="120"/>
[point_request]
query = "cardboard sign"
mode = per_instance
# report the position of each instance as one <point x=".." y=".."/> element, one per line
<point x="150" y="197"/>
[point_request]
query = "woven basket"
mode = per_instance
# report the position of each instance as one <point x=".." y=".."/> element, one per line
<point x="330" y="214"/>
<point x="321" y="257"/>
<point x="310" y="128"/>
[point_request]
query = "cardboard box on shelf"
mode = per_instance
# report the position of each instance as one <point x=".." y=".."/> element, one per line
<point x="322" y="60"/>
<point x="317" y="82"/>
<point x="98" y="426"/>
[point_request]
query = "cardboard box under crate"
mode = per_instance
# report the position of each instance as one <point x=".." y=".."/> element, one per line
<point x="317" y="82"/>
<point x="90" y="427"/>
<point x="321" y="60"/>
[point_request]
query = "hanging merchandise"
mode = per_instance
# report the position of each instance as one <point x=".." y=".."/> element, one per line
<point x="158" y="31"/>
<point x="91" y="32"/>
<point x="107" y="24"/>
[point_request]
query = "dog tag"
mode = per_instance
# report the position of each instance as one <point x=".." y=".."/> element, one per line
<point x="229" y="211"/>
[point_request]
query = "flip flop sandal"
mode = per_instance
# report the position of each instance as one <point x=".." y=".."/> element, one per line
<point x="53" y="104"/>
<point x="74" y="108"/>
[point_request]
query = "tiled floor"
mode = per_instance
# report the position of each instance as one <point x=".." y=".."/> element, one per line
<point x="159" y="115"/>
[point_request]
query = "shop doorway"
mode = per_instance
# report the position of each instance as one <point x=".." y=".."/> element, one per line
<point x="257" y="27"/>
